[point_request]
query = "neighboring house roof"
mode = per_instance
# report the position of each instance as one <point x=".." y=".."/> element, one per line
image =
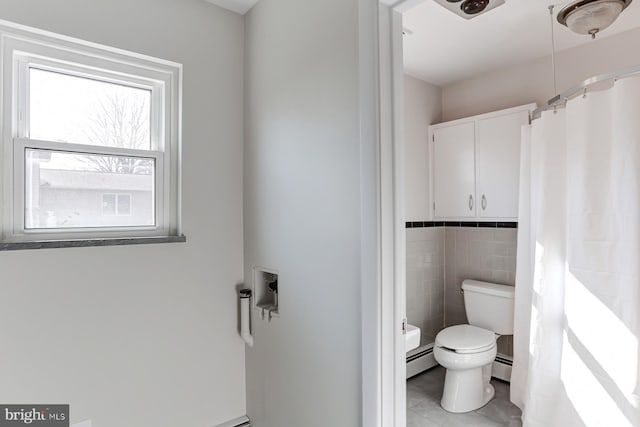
<point x="89" y="180"/>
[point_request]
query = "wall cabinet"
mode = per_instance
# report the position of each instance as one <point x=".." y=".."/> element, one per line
<point x="475" y="171"/>
<point x="454" y="171"/>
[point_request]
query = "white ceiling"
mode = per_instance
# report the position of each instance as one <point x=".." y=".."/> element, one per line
<point x="444" y="48"/>
<point x="238" y="6"/>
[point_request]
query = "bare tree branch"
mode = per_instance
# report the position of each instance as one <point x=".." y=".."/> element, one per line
<point x="120" y="123"/>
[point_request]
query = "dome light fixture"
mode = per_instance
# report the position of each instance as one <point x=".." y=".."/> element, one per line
<point x="591" y="16"/>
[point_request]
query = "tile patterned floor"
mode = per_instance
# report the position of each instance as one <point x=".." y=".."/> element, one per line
<point x="424" y="392"/>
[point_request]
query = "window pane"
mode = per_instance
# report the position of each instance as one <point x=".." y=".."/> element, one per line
<point x="108" y="204"/>
<point x="124" y="204"/>
<point x="67" y="108"/>
<point x="69" y="190"/>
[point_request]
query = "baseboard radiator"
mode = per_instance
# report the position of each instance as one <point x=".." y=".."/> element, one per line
<point x="421" y="359"/>
<point x="502" y="367"/>
<point x="238" y="422"/>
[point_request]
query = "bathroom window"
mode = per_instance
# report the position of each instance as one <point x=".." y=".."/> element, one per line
<point x="91" y="141"/>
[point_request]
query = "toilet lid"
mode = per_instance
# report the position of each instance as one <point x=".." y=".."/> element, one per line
<point x="466" y="339"/>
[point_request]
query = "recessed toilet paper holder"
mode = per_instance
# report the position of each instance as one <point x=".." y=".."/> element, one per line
<point x="265" y="287"/>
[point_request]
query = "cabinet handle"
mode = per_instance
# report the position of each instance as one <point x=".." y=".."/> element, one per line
<point x="470" y="202"/>
<point x="484" y="202"/>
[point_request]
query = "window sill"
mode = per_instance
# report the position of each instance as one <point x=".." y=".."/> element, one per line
<point x="82" y="243"/>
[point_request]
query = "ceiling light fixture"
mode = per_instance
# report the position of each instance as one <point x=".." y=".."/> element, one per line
<point x="591" y="16"/>
<point x="470" y="8"/>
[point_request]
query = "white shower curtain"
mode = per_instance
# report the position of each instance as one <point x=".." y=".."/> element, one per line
<point x="577" y="322"/>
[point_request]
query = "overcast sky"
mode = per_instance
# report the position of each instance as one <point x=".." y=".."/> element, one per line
<point x="62" y="108"/>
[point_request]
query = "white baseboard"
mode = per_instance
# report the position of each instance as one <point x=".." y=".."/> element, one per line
<point x="238" y="422"/>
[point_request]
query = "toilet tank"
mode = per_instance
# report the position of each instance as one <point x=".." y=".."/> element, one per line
<point x="489" y="305"/>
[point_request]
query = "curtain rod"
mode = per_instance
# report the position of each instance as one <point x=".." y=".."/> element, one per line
<point x="561" y="99"/>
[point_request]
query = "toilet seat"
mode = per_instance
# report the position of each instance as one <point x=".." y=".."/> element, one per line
<point x="466" y="339"/>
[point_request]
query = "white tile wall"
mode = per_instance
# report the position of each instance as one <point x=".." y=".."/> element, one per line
<point x="487" y="254"/>
<point x="425" y="280"/>
<point x="440" y="258"/>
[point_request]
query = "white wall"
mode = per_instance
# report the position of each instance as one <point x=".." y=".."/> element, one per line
<point x="142" y="336"/>
<point x="422" y="107"/>
<point x="533" y="82"/>
<point x="302" y="210"/>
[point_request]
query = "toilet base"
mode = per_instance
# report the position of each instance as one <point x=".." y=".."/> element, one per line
<point x="467" y="390"/>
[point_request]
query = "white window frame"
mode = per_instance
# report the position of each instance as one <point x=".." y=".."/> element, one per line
<point x="24" y="48"/>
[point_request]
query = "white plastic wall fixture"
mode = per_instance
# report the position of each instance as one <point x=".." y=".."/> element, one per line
<point x="245" y="320"/>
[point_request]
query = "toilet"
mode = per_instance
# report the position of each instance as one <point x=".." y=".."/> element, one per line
<point x="468" y="351"/>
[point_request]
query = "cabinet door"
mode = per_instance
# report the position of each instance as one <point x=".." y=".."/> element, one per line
<point x="454" y="171"/>
<point x="498" y="163"/>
